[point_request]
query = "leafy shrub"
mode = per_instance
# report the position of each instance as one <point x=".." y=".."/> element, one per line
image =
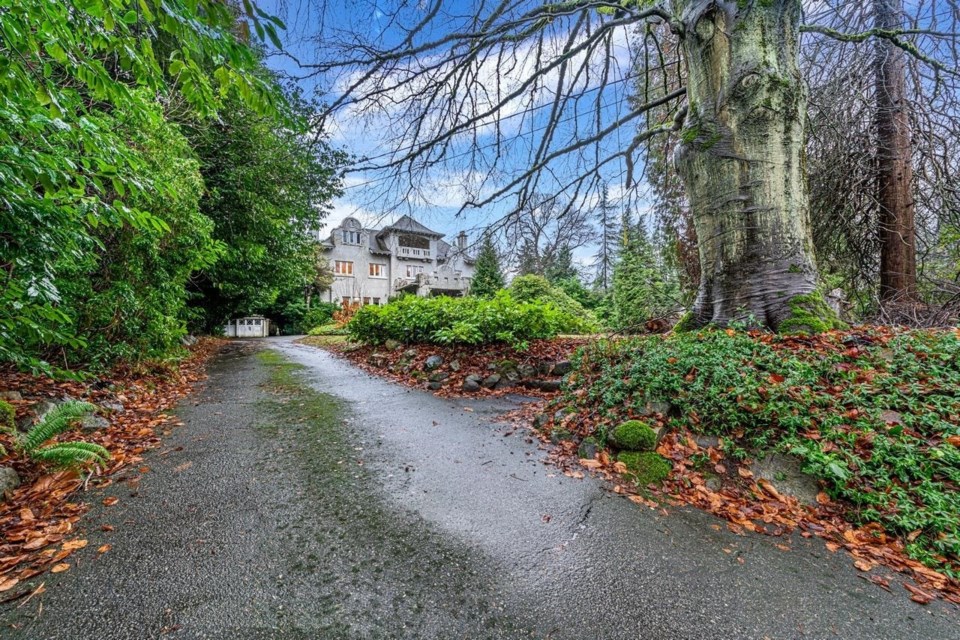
<point x="645" y="467"/>
<point x="824" y="401"/>
<point x="61" y="454"/>
<point x="534" y="288"/>
<point x="329" y="329"/>
<point x="634" y="435"/>
<point x="470" y="320"/>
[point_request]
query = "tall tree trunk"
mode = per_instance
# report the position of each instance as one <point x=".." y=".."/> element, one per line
<point x="742" y="162"/>
<point x="898" y="245"/>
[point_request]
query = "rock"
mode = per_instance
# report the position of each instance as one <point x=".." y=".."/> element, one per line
<point x="784" y="473"/>
<point x="112" y="407"/>
<point x="544" y="368"/>
<point x="9" y="480"/>
<point x="705" y="442"/>
<point x="378" y="360"/>
<point x="392" y="345"/>
<point x="559" y="435"/>
<point x="562" y="368"/>
<point x="435" y="386"/>
<point x="454" y="366"/>
<point x="491" y="366"/>
<point x="439" y="376"/>
<point x="94" y="423"/>
<point x="432" y="363"/>
<point x="471" y="386"/>
<point x="589" y="448"/>
<point x="409" y="354"/>
<point x="549" y="385"/>
<point x="10" y="396"/>
<point x="40" y="411"/>
<point x="891" y="417"/>
<point x="491" y="381"/>
<point x="541" y="421"/>
<point x="527" y="371"/>
<point x="188" y="340"/>
<point x="713" y="482"/>
<point x="505" y="384"/>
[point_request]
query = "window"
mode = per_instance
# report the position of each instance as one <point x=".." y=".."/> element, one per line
<point x="377" y="270"/>
<point x="350" y="237"/>
<point x="413" y="271"/>
<point x="343" y="268"/>
<point x="376" y="301"/>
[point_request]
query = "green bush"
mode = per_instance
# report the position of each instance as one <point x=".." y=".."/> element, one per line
<point x="829" y="404"/>
<point x="645" y="467"/>
<point x="470" y="320"/>
<point x="634" y="435"/>
<point x="329" y="329"/>
<point x="534" y="288"/>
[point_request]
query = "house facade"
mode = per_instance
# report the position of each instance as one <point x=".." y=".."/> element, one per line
<point x="371" y="265"/>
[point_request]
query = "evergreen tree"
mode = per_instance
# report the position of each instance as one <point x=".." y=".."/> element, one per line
<point x="640" y="291"/>
<point x="609" y="233"/>
<point x="560" y="266"/>
<point x="488" y="277"/>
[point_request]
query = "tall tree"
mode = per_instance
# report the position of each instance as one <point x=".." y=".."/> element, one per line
<point x="606" y="240"/>
<point x="487" y="276"/>
<point x="898" y="234"/>
<point x="739" y="115"/>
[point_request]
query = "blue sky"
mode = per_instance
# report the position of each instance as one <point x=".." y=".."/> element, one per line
<point x="366" y="197"/>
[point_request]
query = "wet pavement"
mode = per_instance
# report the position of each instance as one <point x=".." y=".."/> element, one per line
<point x="317" y="501"/>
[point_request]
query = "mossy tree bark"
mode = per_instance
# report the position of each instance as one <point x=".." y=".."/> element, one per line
<point x="741" y="159"/>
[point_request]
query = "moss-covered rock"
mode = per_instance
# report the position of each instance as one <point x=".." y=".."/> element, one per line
<point x="8" y="416"/>
<point x="634" y="435"/>
<point x="810" y="313"/>
<point x="560" y="435"/>
<point x="645" y="467"/>
<point x="685" y="323"/>
<point x="589" y="448"/>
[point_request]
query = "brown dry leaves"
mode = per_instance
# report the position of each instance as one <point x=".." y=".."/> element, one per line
<point x="37" y="521"/>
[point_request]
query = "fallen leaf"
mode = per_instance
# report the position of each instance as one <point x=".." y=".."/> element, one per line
<point x="8" y="584"/>
<point x="743" y="472"/>
<point x="104" y="548"/>
<point x="864" y="565"/>
<point x="112" y="500"/>
<point x="73" y="545"/>
<point x="954" y="440"/>
<point x="60" y="568"/>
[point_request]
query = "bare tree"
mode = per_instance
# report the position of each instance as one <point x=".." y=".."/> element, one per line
<point x="477" y="88"/>
<point x="544" y="232"/>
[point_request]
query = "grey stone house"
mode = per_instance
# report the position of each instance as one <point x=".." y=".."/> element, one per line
<point x="371" y="265"/>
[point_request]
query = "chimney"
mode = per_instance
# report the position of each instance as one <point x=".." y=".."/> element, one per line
<point x="462" y="240"/>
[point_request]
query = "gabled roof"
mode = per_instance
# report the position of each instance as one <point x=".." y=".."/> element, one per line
<point x="445" y="250"/>
<point x="375" y="244"/>
<point x="406" y="224"/>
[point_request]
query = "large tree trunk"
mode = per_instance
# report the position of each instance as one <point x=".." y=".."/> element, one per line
<point x="898" y="247"/>
<point x="742" y="162"/>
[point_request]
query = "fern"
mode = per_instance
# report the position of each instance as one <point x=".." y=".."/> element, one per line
<point x="58" y="420"/>
<point x="61" y="454"/>
<point x="66" y="454"/>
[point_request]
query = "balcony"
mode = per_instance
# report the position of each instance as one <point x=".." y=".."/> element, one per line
<point x="410" y="252"/>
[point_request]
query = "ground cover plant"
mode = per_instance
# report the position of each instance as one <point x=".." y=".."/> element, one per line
<point x="874" y="413"/>
<point x="469" y="320"/>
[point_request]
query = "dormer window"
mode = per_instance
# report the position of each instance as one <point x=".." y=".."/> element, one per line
<point x="350" y="237"/>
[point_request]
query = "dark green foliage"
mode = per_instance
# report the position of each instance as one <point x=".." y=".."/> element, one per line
<point x="61" y="454"/>
<point x="487" y="277"/>
<point x="267" y="186"/>
<point x="829" y="404"/>
<point x="469" y="320"/>
<point x="75" y="74"/>
<point x="561" y="266"/>
<point x="645" y="467"/>
<point x="640" y="290"/>
<point x="634" y="435"/>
